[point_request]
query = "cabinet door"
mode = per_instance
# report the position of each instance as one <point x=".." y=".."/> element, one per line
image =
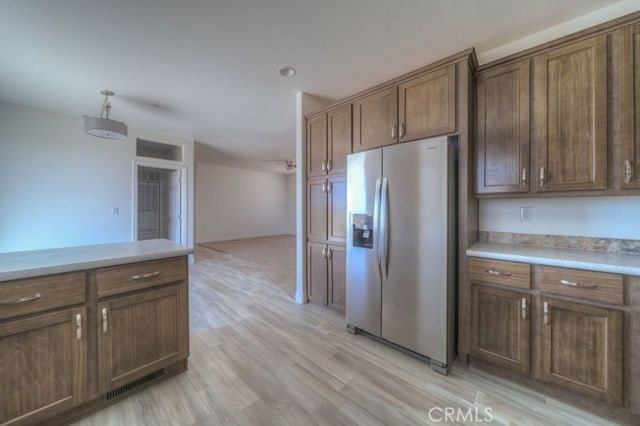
<point x="337" y="278"/>
<point x="337" y="209"/>
<point x="43" y="361"/>
<point x="501" y="326"/>
<point x="317" y="273"/>
<point x="375" y="120"/>
<point x="582" y="348"/>
<point x="141" y="333"/>
<point x="502" y="154"/>
<point x="338" y="138"/>
<point x="427" y="105"/>
<point x="570" y="113"/>
<point x="629" y="162"/>
<point x="317" y="145"/>
<point x="317" y="209"/>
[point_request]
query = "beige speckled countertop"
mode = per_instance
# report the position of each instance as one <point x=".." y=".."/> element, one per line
<point x="25" y="264"/>
<point x="621" y="263"/>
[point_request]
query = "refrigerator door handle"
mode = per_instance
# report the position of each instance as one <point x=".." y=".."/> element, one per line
<point x="384" y="225"/>
<point x="376" y="225"/>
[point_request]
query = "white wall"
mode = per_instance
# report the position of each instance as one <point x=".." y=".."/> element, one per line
<point x="233" y="203"/>
<point x="58" y="184"/>
<point x="291" y="203"/>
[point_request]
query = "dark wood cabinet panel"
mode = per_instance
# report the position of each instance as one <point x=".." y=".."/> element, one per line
<point x="337" y="278"/>
<point x="628" y="164"/>
<point x="44" y="359"/>
<point x="317" y="145"/>
<point x="337" y="209"/>
<point x="338" y="139"/>
<point x="427" y="105"/>
<point x="570" y="116"/>
<point x="501" y="327"/>
<point x="141" y="333"/>
<point x="502" y="154"/>
<point x="582" y="348"/>
<point x="375" y="120"/>
<point x="317" y="274"/>
<point x="317" y="209"/>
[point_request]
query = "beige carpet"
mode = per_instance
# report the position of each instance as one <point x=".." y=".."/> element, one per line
<point x="274" y="256"/>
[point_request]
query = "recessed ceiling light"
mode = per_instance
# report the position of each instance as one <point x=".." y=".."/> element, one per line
<point x="287" y="71"/>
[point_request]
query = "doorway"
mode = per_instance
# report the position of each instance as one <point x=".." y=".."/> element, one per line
<point x="159" y="200"/>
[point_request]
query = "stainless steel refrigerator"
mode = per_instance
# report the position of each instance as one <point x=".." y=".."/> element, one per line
<point x="401" y="213"/>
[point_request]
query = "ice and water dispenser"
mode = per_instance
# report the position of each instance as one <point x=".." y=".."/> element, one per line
<point x="362" y="230"/>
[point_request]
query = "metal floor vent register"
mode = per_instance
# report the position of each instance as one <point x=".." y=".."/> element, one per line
<point x="124" y="389"/>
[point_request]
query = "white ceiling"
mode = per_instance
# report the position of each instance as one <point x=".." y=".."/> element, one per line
<point x="207" y="69"/>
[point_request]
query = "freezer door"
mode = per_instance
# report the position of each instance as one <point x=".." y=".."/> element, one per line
<point x="414" y="291"/>
<point x="363" y="277"/>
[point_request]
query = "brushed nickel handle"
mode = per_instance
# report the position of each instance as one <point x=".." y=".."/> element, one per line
<point x="542" y="176"/>
<point x="78" y="326"/>
<point x="324" y="165"/>
<point x="19" y="300"/>
<point x="324" y="187"/>
<point x="402" y="129"/>
<point x="105" y="324"/>
<point x="329" y="165"/>
<point x="545" y="311"/>
<point x="578" y="285"/>
<point x="329" y="187"/>
<point x="324" y="252"/>
<point x="628" y="171"/>
<point x="523" y="308"/>
<point x="523" y="176"/>
<point x="498" y="273"/>
<point x="330" y="254"/>
<point x="143" y="276"/>
<point x="393" y="131"/>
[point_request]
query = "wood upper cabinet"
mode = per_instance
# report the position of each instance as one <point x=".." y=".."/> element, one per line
<point x="317" y="209"/>
<point x="629" y="162"/>
<point x="317" y="273"/>
<point x="502" y="133"/>
<point x="43" y="360"/>
<point x="327" y="209"/>
<point x="338" y="139"/>
<point x="570" y="116"/>
<point x="375" y="120"/>
<point x="140" y="333"/>
<point x="501" y="326"/>
<point x="582" y="348"/>
<point x="337" y="275"/>
<point x="427" y="105"/>
<point x="329" y="141"/>
<point x="317" y="145"/>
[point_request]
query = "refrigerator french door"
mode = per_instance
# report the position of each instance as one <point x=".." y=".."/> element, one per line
<point x="401" y="247"/>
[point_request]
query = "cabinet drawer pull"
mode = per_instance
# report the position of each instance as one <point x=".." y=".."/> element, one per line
<point x="545" y="311"/>
<point x="393" y="131"/>
<point x="324" y="187"/>
<point x="329" y="187"/>
<point x="578" y="285"/>
<point x="524" y="175"/>
<point x="498" y="273"/>
<point x="105" y="325"/>
<point x="143" y="276"/>
<point x="324" y="165"/>
<point x="542" y="176"/>
<point x="329" y="165"/>
<point x="329" y="254"/>
<point x="324" y="252"/>
<point x="628" y="171"/>
<point x="19" y="300"/>
<point x="402" y="130"/>
<point x="523" y="308"/>
<point x="78" y="326"/>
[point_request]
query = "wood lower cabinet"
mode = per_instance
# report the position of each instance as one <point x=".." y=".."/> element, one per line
<point x="326" y="275"/>
<point x="375" y="120"/>
<point x="582" y="348"/>
<point x="501" y="326"/>
<point x="629" y="138"/>
<point x="570" y="116"/>
<point x="427" y="105"/>
<point x="43" y="365"/>
<point x="141" y="333"/>
<point x="502" y="133"/>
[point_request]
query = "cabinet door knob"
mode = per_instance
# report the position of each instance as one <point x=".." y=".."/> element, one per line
<point x="105" y="325"/>
<point x="545" y="313"/>
<point x="78" y="326"/>
<point x="628" y="171"/>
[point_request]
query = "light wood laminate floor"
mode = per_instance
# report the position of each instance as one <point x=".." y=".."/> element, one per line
<point x="259" y="359"/>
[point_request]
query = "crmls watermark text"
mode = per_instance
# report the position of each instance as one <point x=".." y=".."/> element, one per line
<point x="461" y="415"/>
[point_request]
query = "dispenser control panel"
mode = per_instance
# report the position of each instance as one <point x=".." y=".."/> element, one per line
<point x="362" y="230"/>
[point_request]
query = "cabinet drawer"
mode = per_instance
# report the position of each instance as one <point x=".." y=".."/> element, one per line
<point x="512" y="274"/>
<point x="136" y="276"/>
<point x="39" y="294"/>
<point x="596" y="286"/>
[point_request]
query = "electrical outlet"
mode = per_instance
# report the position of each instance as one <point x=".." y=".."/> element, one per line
<point x="526" y="214"/>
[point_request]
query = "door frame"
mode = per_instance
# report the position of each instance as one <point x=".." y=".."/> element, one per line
<point x="165" y="165"/>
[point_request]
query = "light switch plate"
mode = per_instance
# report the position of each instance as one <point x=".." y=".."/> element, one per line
<point x="526" y="214"/>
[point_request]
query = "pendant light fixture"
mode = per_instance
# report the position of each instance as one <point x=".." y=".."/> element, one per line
<point x="103" y="126"/>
